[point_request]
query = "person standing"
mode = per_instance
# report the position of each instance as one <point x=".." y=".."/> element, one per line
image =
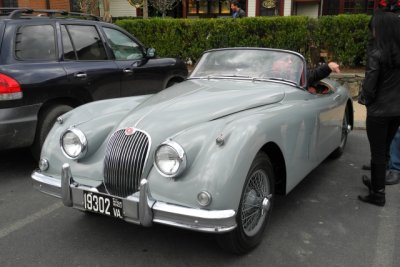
<point x="237" y="12"/>
<point x="393" y="176"/>
<point x="381" y="95"/>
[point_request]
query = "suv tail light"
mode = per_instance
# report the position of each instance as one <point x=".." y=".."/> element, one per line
<point x="9" y="88"/>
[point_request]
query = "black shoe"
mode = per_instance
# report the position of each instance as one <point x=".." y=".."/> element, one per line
<point x="366" y="167"/>
<point x="392" y="178"/>
<point x="367" y="182"/>
<point x="375" y="198"/>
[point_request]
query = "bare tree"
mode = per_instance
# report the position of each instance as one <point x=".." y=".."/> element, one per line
<point x="107" y="15"/>
<point x="88" y="6"/>
<point x="163" y="6"/>
<point x="141" y="3"/>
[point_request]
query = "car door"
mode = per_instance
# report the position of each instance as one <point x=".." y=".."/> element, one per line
<point x="329" y="115"/>
<point x="140" y="75"/>
<point x="87" y="64"/>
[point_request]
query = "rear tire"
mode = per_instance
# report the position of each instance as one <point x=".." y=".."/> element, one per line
<point x="254" y="209"/>
<point x="45" y="122"/>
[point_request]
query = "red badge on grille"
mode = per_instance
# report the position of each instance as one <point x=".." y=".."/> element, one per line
<point x="129" y="131"/>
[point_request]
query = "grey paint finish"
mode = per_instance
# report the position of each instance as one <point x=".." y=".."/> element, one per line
<point x="247" y="113"/>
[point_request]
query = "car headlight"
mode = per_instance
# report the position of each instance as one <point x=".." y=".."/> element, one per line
<point x="170" y="159"/>
<point x="73" y="143"/>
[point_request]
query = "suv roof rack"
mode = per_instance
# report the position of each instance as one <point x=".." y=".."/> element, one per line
<point x="15" y="13"/>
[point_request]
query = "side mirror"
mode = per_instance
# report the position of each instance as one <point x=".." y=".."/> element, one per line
<point x="150" y="53"/>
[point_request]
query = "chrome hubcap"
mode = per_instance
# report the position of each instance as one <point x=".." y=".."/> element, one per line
<point x="256" y="203"/>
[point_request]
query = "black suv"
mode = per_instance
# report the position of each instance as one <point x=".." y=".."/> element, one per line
<point x="51" y="61"/>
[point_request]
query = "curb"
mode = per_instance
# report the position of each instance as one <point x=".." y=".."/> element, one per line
<point x="359" y="125"/>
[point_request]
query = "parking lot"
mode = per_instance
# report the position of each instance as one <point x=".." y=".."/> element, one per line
<point x="320" y="223"/>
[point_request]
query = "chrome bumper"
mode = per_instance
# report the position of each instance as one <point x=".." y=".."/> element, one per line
<point x="139" y="208"/>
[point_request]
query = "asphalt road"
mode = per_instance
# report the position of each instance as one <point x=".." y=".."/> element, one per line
<point x="320" y="223"/>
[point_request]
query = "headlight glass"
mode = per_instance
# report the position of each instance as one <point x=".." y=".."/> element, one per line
<point x="73" y="143"/>
<point x="170" y="159"/>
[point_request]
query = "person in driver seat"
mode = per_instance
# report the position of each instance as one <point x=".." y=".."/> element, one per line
<point x="285" y="67"/>
<point x="319" y="73"/>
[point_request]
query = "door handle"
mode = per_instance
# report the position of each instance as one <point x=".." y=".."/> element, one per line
<point x="80" y="75"/>
<point x="337" y="98"/>
<point x="127" y="70"/>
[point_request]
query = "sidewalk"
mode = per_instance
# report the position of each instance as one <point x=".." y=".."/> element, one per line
<point x="360" y="114"/>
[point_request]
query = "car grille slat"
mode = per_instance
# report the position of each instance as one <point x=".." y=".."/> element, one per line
<point x="124" y="162"/>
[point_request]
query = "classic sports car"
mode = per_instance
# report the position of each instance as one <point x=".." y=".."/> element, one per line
<point x="207" y="154"/>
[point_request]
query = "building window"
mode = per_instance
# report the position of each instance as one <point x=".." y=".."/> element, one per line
<point x="9" y="3"/>
<point x="270" y="7"/>
<point x="75" y="6"/>
<point x="208" y="8"/>
<point x="335" y="7"/>
<point x="331" y="7"/>
<point x="355" y="6"/>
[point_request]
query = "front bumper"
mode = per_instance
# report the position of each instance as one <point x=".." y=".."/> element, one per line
<point x="139" y="208"/>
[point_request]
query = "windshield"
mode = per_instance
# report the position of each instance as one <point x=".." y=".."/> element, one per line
<point x="251" y="63"/>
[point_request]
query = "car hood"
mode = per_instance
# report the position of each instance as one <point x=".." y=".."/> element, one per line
<point x="196" y="101"/>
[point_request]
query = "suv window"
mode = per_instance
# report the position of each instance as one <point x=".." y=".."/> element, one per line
<point x="82" y="42"/>
<point x="123" y="47"/>
<point x="69" y="52"/>
<point x="35" y="42"/>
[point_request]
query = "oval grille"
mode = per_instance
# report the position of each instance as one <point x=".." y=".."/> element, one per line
<point x="124" y="162"/>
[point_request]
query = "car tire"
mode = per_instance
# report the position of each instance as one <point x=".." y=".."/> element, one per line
<point x="45" y="123"/>
<point x="345" y="131"/>
<point x="256" y="202"/>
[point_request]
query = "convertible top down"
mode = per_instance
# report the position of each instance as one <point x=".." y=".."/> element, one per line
<point x="208" y="154"/>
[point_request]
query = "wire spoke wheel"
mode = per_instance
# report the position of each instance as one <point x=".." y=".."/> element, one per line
<point x="254" y="209"/>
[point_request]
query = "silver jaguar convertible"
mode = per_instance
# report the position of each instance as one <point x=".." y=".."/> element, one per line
<point x="208" y="154"/>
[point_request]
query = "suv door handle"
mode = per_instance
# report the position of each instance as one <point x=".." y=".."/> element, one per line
<point x="80" y="75"/>
<point x="127" y="70"/>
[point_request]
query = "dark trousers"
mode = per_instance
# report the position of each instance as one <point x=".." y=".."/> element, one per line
<point x="380" y="132"/>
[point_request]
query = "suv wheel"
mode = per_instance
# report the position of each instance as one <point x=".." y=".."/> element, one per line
<point x="45" y="123"/>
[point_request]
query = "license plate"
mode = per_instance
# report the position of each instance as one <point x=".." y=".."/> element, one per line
<point x="103" y="204"/>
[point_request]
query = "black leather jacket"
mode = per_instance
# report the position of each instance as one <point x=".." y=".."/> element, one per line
<point x="317" y="74"/>
<point x="381" y="87"/>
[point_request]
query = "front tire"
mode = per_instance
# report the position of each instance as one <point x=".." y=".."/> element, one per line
<point x="254" y="208"/>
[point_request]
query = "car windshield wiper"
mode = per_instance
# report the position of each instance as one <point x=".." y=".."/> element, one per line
<point x="275" y="79"/>
<point x="223" y="76"/>
<point x="235" y="76"/>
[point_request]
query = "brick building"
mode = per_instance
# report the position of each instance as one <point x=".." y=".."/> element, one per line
<point x="219" y="8"/>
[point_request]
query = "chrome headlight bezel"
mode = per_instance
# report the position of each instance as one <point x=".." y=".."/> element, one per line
<point x="82" y="143"/>
<point x="180" y="158"/>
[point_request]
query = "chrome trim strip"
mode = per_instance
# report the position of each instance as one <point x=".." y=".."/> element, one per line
<point x="141" y="210"/>
<point x="46" y="184"/>
<point x="82" y="139"/>
<point x="145" y="211"/>
<point x="181" y="154"/>
<point x="66" y="181"/>
<point x="133" y="151"/>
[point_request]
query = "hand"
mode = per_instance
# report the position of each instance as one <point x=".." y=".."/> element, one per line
<point x="334" y="67"/>
<point x="361" y="100"/>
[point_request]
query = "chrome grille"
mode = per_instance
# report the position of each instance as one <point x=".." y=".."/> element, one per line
<point x="124" y="162"/>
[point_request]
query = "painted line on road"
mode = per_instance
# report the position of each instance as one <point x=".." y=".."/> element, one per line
<point x="27" y="220"/>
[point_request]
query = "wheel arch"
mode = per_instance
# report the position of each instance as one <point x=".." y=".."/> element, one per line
<point x="172" y="80"/>
<point x="73" y="102"/>
<point x="279" y="167"/>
